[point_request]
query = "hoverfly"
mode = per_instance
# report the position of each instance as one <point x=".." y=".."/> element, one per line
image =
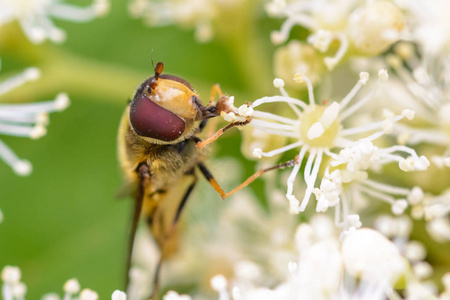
<point x="159" y="153"/>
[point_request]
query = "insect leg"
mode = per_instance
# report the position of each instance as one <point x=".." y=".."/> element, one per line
<point x="221" y="131"/>
<point x="202" y="125"/>
<point x="183" y="203"/>
<point x="215" y="90"/>
<point x="249" y="180"/>
<point x="168" y="235"/>
<point x="211" y="110"/>
<point x="144" y="177"/>
<point x="155" y="291"/>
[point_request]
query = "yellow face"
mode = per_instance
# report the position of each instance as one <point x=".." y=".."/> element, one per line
<point x="164" y="110"/>
<point x="173" y="96"/>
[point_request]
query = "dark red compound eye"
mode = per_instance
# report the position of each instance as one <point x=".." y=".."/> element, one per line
<point x="151" y="120"/>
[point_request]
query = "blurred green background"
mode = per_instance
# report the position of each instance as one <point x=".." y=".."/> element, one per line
<point x="63" y="221"/>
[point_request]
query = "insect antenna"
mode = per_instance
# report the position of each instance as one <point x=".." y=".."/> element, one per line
<point x="158" y="70"/>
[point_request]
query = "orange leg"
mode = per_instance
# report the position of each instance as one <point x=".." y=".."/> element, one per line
<point x="221" y="131"/>
<point x="249" y="180"/>
<point x="215" y="90"/>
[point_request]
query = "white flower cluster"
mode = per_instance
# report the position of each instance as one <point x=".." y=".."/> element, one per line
<point x="424" y="85"/>
<point x="344" y="158"/>
<point x="321" y="129"/>
<point x="14" y="289"/>
<point x="30" y="120"/>
<point x="420" y="285"/>
<point x="197" y="14"/>
<point x="34" y="16"/>
<point x="172" y="295"/>
<point x="338" y="143"/>
<point x="421" y="66"/>
<point x="25" y="120"/>
<point x="366" y="265"/>
<point x="367" y="27"/>
<point x="435" y="209"/>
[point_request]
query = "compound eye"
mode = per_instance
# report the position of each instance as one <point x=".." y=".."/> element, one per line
<point x="151" y="120"/>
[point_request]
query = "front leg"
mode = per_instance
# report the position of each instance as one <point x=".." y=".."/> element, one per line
<point x="213" y="182"/>
<point x="221" y="131"/>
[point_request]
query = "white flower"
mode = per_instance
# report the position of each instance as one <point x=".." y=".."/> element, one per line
<point x="319" y="129"/>
<point x="199" y="14"/>
<point x="373" y="27"/>
<point x="434" y="209"/>
<point x="12" y="287"/>
<point x="219" y="284"/>
<point x="422" y="270"/>
<point x="367" y="27"/>
<point x="118" y="295"/>
<point x="297" y="57"/>
<point x="365" y="266"/>
<point x="140" y="277"/>
<point x="19" y="290"/>
<point x="417" y="290"/>
<point x="415" y="251"/>
<point x="368" y="254"/>
<point x="439" y="229"/>
<point x="429" y="24"/>
<point x="416" y="195"/>
<point x="394" y="227"/>
<point x="34" y="16"/>
<point x="317" y="272"/>
<point x="25" y="120"/>
<point x="330" y="189"/>
<point x="88" y="294"/>
<point x="72" y="286"/>
<point x="11" y="274"/>
<point x="424" y="83"/>
<point x="247" y="270"/>
<point x="51" y="296"/>
<point x="172" y="295"/>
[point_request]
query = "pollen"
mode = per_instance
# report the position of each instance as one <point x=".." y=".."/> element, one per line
<point x="316" y="130"/>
